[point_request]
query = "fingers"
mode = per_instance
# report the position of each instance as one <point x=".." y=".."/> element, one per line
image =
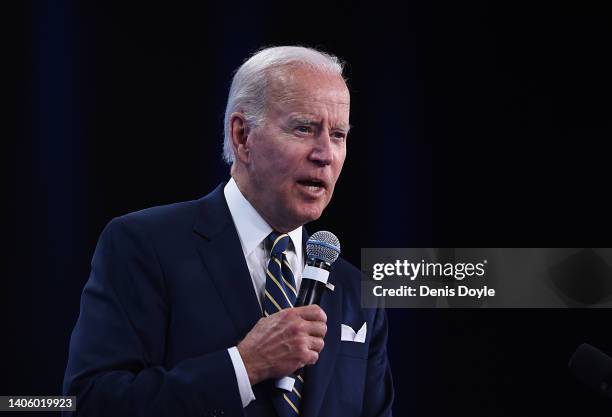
<point x="309" y="333"/>
<point x="316" y="344"/>
<point x="311" y="313"/>
<point x="298" y="325"/>
<point x="309" y="355"/>
<point x="315" y="328"/>
<point x="313" y="358"/>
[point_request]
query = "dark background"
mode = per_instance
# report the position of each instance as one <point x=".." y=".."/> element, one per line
<point x="476" y="125"/>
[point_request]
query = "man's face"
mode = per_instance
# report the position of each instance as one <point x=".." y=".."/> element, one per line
<point x="297" y="153"/>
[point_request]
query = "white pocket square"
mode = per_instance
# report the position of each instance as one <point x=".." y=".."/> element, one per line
<point x="349" y="335"/>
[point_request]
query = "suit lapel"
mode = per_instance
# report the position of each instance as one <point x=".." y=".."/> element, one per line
<point x="222" y="255"/>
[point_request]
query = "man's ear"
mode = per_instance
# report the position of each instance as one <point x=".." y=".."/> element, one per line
<point x="239" y="132"/>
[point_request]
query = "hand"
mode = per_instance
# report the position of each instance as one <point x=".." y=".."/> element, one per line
<point x="283" y="342"/>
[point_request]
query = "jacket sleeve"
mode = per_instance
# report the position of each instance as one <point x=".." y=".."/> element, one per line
<point x="117" y="349"/>
<point x="379" y="393"/>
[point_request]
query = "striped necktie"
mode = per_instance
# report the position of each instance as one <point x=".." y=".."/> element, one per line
<point x="281" y="293"/>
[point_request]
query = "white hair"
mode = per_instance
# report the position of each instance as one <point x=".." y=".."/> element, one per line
<point x="248" y="90"/>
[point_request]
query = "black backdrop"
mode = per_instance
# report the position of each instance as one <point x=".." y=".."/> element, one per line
<point x="479" y="124"/>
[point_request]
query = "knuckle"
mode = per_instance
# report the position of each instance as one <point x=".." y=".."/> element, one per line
<point x="296" y="328"/>
<point x="304" y="350"/>
<point x="317" y="344"/>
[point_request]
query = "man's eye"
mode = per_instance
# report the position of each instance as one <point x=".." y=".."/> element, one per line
<point x="339" y="135"/>
<point x="304" y="129"/>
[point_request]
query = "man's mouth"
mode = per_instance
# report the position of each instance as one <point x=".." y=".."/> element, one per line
<point x="313" y="185"/>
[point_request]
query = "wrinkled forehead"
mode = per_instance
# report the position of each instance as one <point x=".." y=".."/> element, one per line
<point x="297" y="84"/>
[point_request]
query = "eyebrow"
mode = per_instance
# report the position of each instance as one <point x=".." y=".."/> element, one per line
<point x="309" y="122"/>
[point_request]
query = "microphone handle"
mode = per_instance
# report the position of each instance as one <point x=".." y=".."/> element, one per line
<point x="314" y="282"/>
<point x="310" y="292"/>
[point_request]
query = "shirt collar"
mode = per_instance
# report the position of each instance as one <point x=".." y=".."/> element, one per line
<point x="252" y="228"/>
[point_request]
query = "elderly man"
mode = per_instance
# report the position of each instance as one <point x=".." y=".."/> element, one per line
<point x="187" y="311"/>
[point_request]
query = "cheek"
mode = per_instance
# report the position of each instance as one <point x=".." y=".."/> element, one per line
<point x="274" y="163"/>
<point x="287" y="162"/>
<point x="339" y="163"/>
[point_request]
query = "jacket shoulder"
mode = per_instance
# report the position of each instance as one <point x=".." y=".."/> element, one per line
<point x="169" y="215"/>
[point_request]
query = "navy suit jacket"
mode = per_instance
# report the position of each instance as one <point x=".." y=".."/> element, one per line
<point x="170" y="291"/>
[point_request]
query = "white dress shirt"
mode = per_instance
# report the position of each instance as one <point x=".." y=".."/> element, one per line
<point x="253" y="230"/>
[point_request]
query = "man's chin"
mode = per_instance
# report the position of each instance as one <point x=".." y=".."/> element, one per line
<point x="308" y="216"/>
<point x="300" y="212"/>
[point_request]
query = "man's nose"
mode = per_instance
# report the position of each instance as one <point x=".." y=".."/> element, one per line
<point x="322" y="152"/>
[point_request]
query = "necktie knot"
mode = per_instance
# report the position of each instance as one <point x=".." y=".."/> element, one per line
<point x="278" y="243"/>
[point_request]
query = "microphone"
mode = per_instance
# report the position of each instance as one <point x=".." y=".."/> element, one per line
<point x="322" y="250"/>
<point x="593" y="368"/>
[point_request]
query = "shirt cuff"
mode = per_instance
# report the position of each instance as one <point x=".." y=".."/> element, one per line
<point x="244" y="385"/>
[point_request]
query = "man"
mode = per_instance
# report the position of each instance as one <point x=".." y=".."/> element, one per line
<point x="180" y="316"/>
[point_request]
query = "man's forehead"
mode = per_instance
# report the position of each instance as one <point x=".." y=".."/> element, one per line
<point x="293" y="83"/>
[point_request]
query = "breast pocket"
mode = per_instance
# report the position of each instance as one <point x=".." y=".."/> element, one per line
<point x="354" y="349"/>
<point x="354" y="340"/>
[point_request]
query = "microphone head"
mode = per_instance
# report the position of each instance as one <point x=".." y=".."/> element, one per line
<point x="323" y="246"/>
<point x="592" y="367"/>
